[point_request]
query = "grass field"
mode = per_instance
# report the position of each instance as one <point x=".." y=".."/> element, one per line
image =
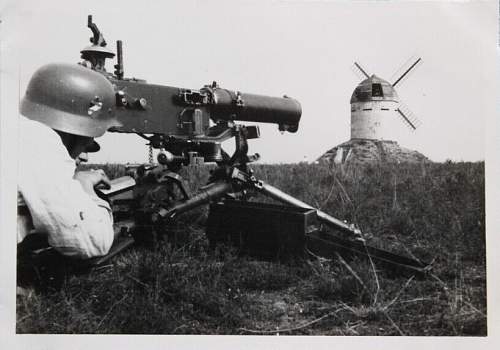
<point x="433" y="212"/>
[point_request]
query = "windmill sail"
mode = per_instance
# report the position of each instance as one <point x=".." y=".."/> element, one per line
<point x="405" y="73"/>
<point x="409" y="118"/>
<point x="360" y="72"/>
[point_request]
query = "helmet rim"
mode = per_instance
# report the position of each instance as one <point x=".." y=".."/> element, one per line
<point x="65" y="121"/>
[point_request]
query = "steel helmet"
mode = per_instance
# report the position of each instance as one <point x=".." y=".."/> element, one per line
<point x="72" y="99"/>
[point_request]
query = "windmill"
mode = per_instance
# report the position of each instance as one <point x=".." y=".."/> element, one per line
<point x="376" y="107"/>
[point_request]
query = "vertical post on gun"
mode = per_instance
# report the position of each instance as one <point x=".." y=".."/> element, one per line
<point x="119" y="57"/>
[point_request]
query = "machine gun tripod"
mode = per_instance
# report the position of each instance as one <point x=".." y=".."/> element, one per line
<point x="261" y="231"/>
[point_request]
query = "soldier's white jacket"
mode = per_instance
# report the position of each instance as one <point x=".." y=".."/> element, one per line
<point x="77" y="224"/>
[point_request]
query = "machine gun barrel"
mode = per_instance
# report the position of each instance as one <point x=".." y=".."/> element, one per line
<point x="231" y="105"/>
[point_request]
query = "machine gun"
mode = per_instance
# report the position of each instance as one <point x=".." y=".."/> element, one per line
<point x="188" y="127"/>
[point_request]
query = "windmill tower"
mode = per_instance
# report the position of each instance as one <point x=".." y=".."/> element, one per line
<point x="378" y="119"/>
<point x="376" y="110"/>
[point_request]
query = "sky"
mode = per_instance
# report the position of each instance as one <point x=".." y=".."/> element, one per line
<point x="304" y="49"/>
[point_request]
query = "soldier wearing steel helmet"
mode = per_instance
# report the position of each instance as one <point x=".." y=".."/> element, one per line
<point x="64" y="109"/>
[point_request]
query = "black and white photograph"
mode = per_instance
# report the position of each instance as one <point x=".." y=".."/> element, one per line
<point x="258" y="169"/>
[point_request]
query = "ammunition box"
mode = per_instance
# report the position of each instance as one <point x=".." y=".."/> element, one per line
<point x="261" y="230"/>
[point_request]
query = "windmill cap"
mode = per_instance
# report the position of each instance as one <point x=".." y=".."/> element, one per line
<point x="374" y="89"/>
